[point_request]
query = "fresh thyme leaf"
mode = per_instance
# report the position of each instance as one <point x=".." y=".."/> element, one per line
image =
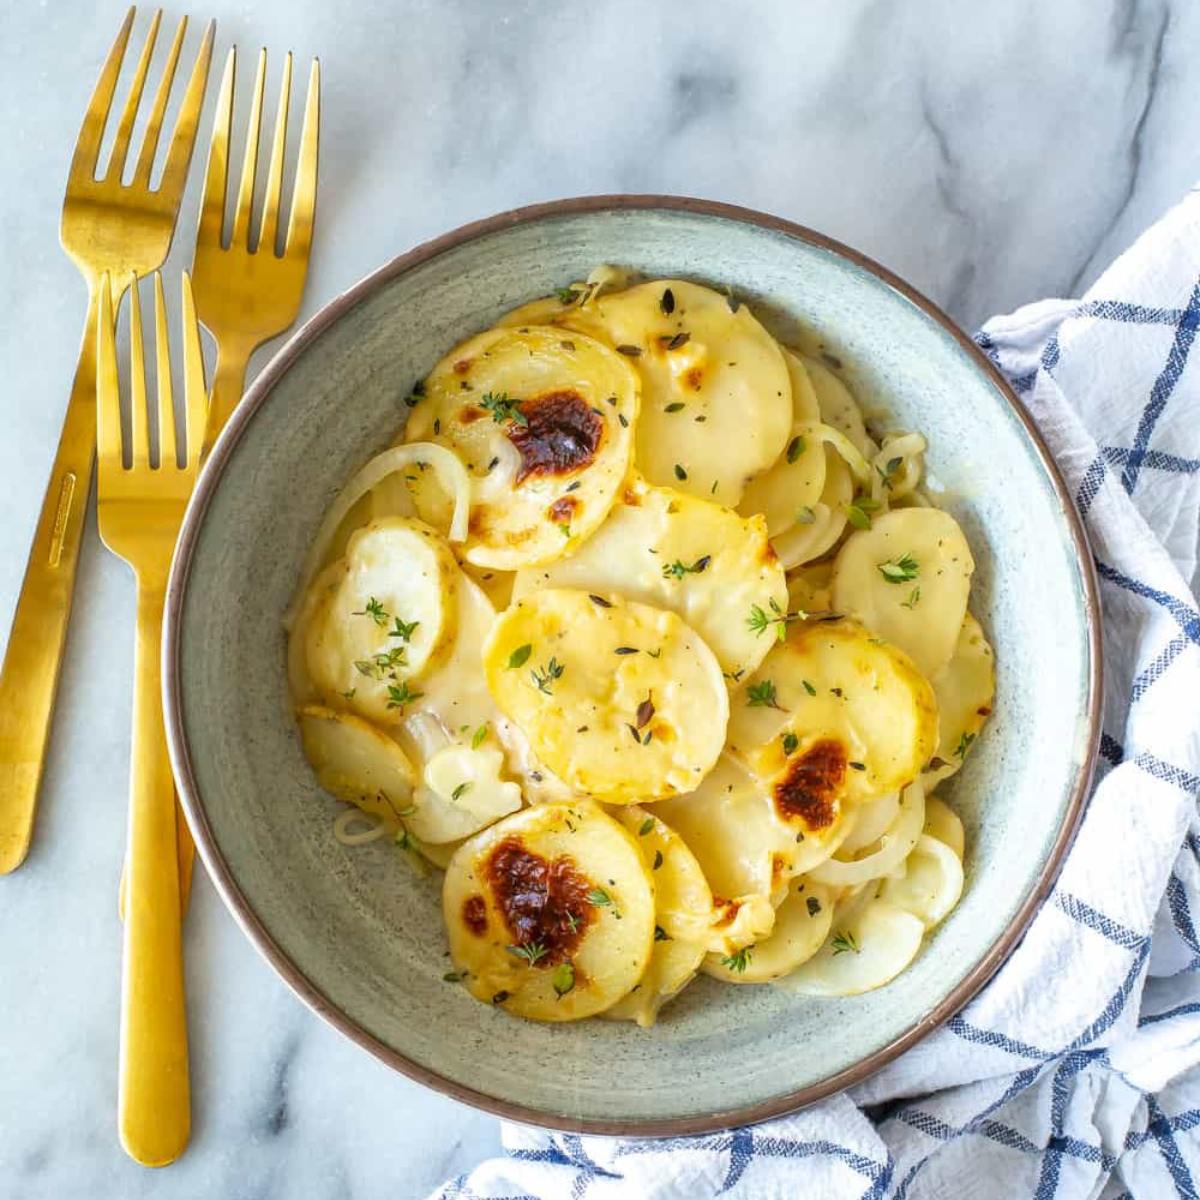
<point x="680" y="473"/>
<point x="857" y="766"/>
<point x="567" y="295"/>
<point x="452" y="977"/>
<point x="503" y="408"/>
<point x="624" y="420"/>
<point x="478" y="736"/>
<point x="563" y="979"/>
<point x="374" y="610"/>
<point x="844" y="942"/>
<point x="667" y="302"/>
<point x="350" y="694"/>
<point x="762" y="695"/>
<point x="658" y="860"/>
<point x="661" y="935"/>
<point x="378" y="665"/>
<point x="677" y="569"/>
<point x="790" y="742"/>
<point x="549" y="673"/>
<point x="914" y="598"/>
<point x="599" y="897"/>
<point x="600" y="601"/>
<point x="655" y="653"/>
<point x="519" y="657"/>
<point x="899" y="570"/>
<point x="805" y="515"/>
<point x="739" y="961"/>
<point x="759" y="621"/>
<point x="632" y="351"/>
<point x="403" y="629"/>
<point x="964" y="744"/>
<point x="572" y="919"/>
<point x="529" y="951"/>
<point x="676" y="406"/>
<point x="402" y="839"/>
<point x="674" y="343"/>
<point x="808" y="687"/>
<point x="625" y="650"/>
<point x="857" y="516"/>
<point x="645" y="827"/>
<point x="399" y="696"/>
<point x="795" y="448"/>
<point x="462" y="789"/>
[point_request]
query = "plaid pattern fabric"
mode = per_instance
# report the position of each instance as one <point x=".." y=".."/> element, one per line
<point x="1097" y="1093"/>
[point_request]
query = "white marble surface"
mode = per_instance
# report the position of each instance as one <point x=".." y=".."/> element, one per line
<point x="990" y="159"/>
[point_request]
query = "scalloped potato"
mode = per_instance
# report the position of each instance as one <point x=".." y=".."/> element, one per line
<point x="622" y="701"/>
<point x="645" y="639"/>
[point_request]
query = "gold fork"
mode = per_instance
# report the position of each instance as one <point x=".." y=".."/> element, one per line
<point x="139" y="510"/>
<point x="247" y="292"/>
<point x="122" y="230"/>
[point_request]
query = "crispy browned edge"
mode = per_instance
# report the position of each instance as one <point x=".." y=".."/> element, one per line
<point x="193" y="804"/>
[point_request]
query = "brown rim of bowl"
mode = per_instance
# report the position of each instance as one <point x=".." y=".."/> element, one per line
<point x="227" y="886"/>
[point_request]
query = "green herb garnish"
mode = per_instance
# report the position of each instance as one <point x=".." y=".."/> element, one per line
<point x="899" y="570"/>
<point x="547" y="675"/>
<point x="678" y="569"/>
<point x="503" y="408"/>
<point x="844" y="942"/>
<point x="529" y="951"/>
<point x="462" y="789"/>
<point x="374" y="610"/>
<point x="563" y="979"/>
<point x="795" y="448"/>
<point x="790" y="743"/>
<point x="519" y="657"/>
<point x="964" y="744"/>
<point x="599" y="897"/>
<point x="739" y="961"/>
<point x="399" y="696"/>
<point x="762" y="695"/>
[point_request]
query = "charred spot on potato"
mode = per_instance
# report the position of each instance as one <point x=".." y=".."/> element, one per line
<point x="561" y="434"/>
<point x="693" y="377"/>
<point x="542" y="901"/>
<point x="562" y="510"/>
<point x="474" y="915"/>
<point x="811" y="782"/>
<point x="469" y="414"/>
<point x="462" y="366"/>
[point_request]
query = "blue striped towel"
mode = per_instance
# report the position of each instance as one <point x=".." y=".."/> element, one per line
<point x="1097" y="1094"/>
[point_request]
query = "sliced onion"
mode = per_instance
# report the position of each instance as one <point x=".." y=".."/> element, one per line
<point x="428" y="734"/>
<point x="895" y="846"/>
<point x="371" y="828"/>
<point x="875" y="818"/>
<point x="859" y="467"/>
<point x="931" y="884"/>
<point x="446" y="465"/>
<point x="908" y="447"/>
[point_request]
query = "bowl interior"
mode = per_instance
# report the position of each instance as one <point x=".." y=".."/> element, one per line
<point x="354" y="929"/>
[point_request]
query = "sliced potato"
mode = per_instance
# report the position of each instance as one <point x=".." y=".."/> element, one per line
<point x="744" y="845"/>
<point x="795" y="481"/>
<point x="802" y="923"/>
<point x="544" y="424"/>
<point x="357" y="763"/>
<point x="942" y="823"/>
<point x="815" y="532"/>
<point x="716" y="396"/>
<point x="683" y="907"/>
<point x="696" y="558"/>
<point x="907" y="579"/>
<point x="810" y="588"/>
<point x="831" y="715"/>
<point x="550" y="912"/>
<point x="965" y="688"/>
<point x="460" y="793"/>
<point x="388" y="617"/>
<point x="865" y="950"/>
<point x="894" y="846"/>
<point x="931" y="883"/>
<point x="621" y="701"/>
<point x="875" y="817"/>
<point x="837" y="404"/>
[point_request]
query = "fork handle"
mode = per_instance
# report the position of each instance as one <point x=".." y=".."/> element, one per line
<point x="29" y="677"/>
<point x="154" y="1102"/>
<point x="229" y="383"/>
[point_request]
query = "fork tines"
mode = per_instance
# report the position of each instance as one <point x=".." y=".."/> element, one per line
<point x="85" y="163"/>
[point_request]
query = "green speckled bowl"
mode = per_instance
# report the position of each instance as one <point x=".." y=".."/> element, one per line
<point x="354" y="932"/>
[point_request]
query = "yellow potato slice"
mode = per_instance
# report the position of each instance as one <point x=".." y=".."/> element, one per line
<point x="795" y="481"/>
<point x="837" y="404"/>
<point x="815" y="532"/>
<point x="544" y="423"/>
<point x="358" y="763"/>
<point x="550" y="912"/>
<point x="698" y="559"/>
<point x="387" y="618"/>
<point x="621" y="701"/>
<point x="931" y="883"/>
<point x="802" y="923"/>
<point x="461" y="792"/>
<point x="832" y="715"/>
<point x="716" y="396"/>
<point x="907" y="579"/>
<point x="744" y="845"/>
<point x="865" y="950"/>
<point x="683" y="907"/>
<point x="965" y="688"/>
<point x="942" y="822"/>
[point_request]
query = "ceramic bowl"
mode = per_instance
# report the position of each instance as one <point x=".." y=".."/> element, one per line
<point x="354" y="932"/>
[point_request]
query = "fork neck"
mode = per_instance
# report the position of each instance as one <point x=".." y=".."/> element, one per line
<point x="229" y="382"/>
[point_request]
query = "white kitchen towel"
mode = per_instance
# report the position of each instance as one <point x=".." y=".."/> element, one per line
<point x="1076" y="1072"/>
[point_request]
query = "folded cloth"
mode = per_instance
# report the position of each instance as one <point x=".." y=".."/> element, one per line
<point x="1076" y="1071"/>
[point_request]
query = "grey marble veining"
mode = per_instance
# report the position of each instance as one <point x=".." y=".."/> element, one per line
<point x="991" y="159"/>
